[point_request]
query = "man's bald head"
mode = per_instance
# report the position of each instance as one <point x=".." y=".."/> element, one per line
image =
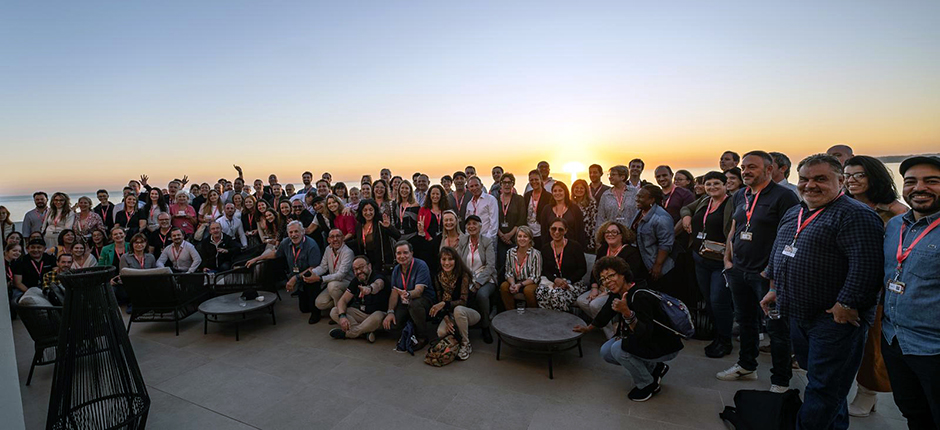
<point x="842" y="152"/>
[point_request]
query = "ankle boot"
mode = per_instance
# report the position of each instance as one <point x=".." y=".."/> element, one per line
<point x="864" y="403"/>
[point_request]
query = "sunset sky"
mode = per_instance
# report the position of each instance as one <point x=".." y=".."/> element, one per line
<point x="94" y="93"/>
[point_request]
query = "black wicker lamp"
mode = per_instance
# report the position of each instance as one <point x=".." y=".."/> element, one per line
<point x="97" y="383"/>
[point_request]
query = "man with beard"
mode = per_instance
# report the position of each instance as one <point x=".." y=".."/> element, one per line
<point x="32" y="221"/>
<point x="181" y="255"/>
<point x="911" y="325"/>
<point x="728" y="160"/>
<point x="758" y="210"/>
<point x="458" y="199"/>
<point x="361" y="308"/>
<point x="301" y="254"/>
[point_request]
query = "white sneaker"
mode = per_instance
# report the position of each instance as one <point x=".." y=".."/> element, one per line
<point x="464" y="351"/>
<point x="370" y="336"/>
<point x="779" y="389"/>
<point x="737" y="373"/>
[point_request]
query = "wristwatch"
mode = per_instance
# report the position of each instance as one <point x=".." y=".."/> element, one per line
<point x="848" y="308"/>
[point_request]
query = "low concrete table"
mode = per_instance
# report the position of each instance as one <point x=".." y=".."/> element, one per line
<point x="542" y="331"/>
<point x="231" y="306"/>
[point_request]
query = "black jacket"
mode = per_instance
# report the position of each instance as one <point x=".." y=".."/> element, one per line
<point x="211" y="258"/>
<point x="647" y="339"/>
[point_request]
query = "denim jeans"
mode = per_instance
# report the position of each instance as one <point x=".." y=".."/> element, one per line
<point x="480" y="301"/>
<point x="831" y="353"/>
<point x="716" y="293"/>
<point x="640" y="369"/>
<point x="747" y="290"/>
<point x="915" y="380"/>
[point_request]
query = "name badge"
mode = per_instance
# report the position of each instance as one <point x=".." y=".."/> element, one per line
<point x="789" y="251"/>
<point x="362" y="307"/>
<point x="896" y="286"/>
<point x="296" y="270"/>
<point x="701" y="235"/>
<point x="746" y="235"/>
<point x="504" y="224"/>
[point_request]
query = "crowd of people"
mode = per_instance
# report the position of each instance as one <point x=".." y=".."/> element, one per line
<point x="836" y="270"/>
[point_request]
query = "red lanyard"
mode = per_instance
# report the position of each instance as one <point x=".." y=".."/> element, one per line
<point x="709" y="210"/>
<point x="251" y="218"/>
<point x="366" y="231"/>
<point x="750" y="211"/>
<point x="335" y="260"/>
<point x="535" y="199"/>
<point x="296" y="252"/>
<point x="176" y="254"/>
<point x="902" y="253"/>
<point x="520" y="263"/>
<point x="562" y="212"/>
<point x="55" y="221"/>
<point x="473" y="250"/>
<point x="155" y="208"/>
<point x="116" y="253"/>
<point x="459" y="202"/>
<point x="609" y="249"/>
<point x="669" y="199"/>
<point x="104" y="212"/>
<point x="438" y="217"/>
<point x="401" y="213"/>
<point x="474" y="202"/>
<point x="404" y="277"/>
<point x="800" y="224"/>
<point x="162" y="238"/>
<point x="9" y="272"/>
<point x="128" y="215"/>
<point x="559" y="256"/>
<point x="140" y="260"/>
<point x="506" y="206"/>
<point x="619" y="198"/>
<point x="78" y="220"/>
<point x="38" y="269"/>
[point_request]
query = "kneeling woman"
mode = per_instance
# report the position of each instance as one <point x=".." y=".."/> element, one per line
<point x="452" y="285"/>
<point x="642" y="345"/>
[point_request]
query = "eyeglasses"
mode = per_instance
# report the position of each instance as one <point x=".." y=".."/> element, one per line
<point x="612" y="233"/>
<point x="856" y="176"/>
<point x="506" y="183"/>
<point x="556" y="229"/>
<point x="605" y="279"/>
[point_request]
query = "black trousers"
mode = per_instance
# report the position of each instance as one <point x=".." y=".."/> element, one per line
<point x="307" y="295"/>
<point x="417" y="312"/>
<point x="915" y="380"/>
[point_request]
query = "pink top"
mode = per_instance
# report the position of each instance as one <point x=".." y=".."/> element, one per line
<point x="346" y="224"/>
<point x="183" y="223"/>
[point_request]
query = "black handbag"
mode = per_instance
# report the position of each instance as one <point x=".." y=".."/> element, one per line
<point x="763" y="410"/>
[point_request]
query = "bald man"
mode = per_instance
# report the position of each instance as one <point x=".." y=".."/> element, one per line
<point x="842" y="152"/>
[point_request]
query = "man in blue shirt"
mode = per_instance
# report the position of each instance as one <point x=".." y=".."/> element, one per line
<point x="412" y="295"/>
<point x="911" y="324"/>
<point x="302" y="255"/>
<point x="825" y="272"/>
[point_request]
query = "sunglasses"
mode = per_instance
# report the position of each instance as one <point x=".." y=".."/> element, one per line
<point x="556" y="229"/>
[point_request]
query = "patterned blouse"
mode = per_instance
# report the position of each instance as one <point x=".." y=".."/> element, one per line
<point x="531" y="267"/>
<point x="84" y="227"/>
<point x="589" y="209"/>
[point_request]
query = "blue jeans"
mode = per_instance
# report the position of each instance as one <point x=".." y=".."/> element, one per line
<point x="716" y="293"/>
<point x="747" y="290"/>
<point x="831" y="353"/>
<point x="640" y="369"/>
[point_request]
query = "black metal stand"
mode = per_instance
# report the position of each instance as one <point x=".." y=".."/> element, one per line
<point x="215" y="318"/>
<point x="97" y="382"/>
<point x="550" y="350"/>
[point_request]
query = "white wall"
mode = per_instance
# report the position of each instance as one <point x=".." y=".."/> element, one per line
<point x="11" y="404"/>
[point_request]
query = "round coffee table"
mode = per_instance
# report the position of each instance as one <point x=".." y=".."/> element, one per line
<point x="227" y="308"/>
<point x="542" y="331"/>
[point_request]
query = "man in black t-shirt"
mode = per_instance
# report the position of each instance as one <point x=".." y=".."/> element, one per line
<point x="361" y="309"/>
<point x="758" y="210"/>
<point x="28" y="272"/>
<point x="160" y="238"/>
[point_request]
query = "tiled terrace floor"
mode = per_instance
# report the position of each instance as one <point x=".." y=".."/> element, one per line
<point x="294" y="376"/>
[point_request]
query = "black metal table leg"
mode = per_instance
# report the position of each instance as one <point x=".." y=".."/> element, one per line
<point x="236" y="332"/>
<point x="273" y="318"/>
<point x="580" y="353"/>
<point x="205" y="324"/>
<point x="551" y="374"/>
<point x="499" y="344"/>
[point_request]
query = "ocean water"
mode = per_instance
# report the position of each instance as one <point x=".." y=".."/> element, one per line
<point x="19" y="205"/>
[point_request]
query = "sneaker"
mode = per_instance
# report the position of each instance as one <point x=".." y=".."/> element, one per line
<point x="464" y="351"/>
<point x="370" y="336"/>
<point x="314" y="317"/>
<point x="638" y="394"/>
<point x="338" y="333"/>
<point x="779" y="389"/>
<point x="722" y="348"/>
<point x="712" y="346"/>
<point x="764" y="349"/>
<point x="737" y="373"/>
<point x="660" y="371"/>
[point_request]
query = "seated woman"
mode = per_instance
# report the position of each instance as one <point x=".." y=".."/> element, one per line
<point x="111" y="254"/>
<point x="13" y="239"/>
<point x="66" y="240"/>
<point x="523" y="270"/>
<point x="562" y="271"/>
<point x="99" y="240"/>
<point x="452" y="285"/>
<point x="269" y="229"/>
<point x="642" y="345"/>
<point x="614" y="239"/>
<point x="138" y="258"/>
<point x="479" y="254"/>
<point x="81" y="258"/>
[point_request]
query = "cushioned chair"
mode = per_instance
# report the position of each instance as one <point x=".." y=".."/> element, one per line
<point x="41" y="320"/>
<point x="241" y="278"/>
<point x="158" y="295"/>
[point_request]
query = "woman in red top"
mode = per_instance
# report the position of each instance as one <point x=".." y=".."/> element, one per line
<point x="345" y="222"/>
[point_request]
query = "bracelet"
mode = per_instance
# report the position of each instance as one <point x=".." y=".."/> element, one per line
<point x="342" y="315"/>
<point x="632" y="318"/>
<point x="390" y="312"/>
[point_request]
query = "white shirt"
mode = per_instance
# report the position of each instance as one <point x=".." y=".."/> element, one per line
<point x="233" y="227"/>
<point x="187" y="259"/>
<point x="487" y="208"/>
<point x="336" y="266"/>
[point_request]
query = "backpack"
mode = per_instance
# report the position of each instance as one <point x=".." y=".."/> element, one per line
<point x="763" y="410"/>
<point x="407" y="341"/>
<point x="443" y="352"/>
<point x="680" y="320"/>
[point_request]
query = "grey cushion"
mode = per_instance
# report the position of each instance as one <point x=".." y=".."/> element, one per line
<point x="146" y="272"/>
<point x="34" y="297"/>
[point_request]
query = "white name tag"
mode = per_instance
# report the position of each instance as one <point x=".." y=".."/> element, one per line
<point x="896" y="287"/>
<point x="701" y="235"/>
<point x="789" y="251"/>
<point x="746" y="235"/>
